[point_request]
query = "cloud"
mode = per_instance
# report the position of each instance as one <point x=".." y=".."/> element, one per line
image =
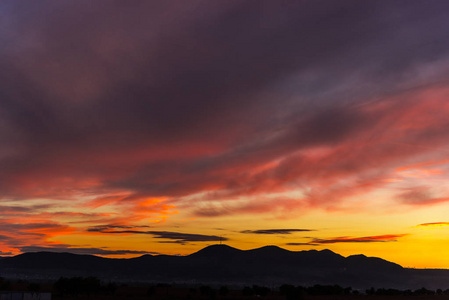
<point x="17" y="210"/>
<point x="280" y="207"/>
<point x="187" y="237"/>
<point x="4" y="237"/>
<point x="215" y="108"/>
<point x="77" y="250"/>
<point x="434" y="224"/>
<point x="365" y="239"/>
<point x="420" y="196"/>
<point x="111" y="227"/>
<point x="100" y="119"/>
<point x="16" y="233"/>
<point x="178" y="237"/>
<point x="13" y="209"/>
<point x="275" y="231"/>
<point x="301" y="244"/>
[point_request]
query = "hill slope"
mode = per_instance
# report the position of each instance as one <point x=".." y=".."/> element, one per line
<point x="269" y="265"/>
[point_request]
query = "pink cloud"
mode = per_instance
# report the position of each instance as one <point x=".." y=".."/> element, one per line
<point x="420" y="195"/>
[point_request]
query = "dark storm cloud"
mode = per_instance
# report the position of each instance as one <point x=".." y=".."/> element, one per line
<point x="164" y="98"/>
<point x="76" y="250"/>
<point x="275" y="231"/>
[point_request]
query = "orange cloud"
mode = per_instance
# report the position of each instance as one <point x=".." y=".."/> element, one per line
<point x="16" y="233"/>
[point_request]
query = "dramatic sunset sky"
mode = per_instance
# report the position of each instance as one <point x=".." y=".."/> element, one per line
<point x="134" y="127"/>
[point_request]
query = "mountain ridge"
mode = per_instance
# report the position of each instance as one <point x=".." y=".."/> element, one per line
<point x="223" y="264"/>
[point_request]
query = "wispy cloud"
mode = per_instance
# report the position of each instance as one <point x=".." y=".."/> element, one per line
<point x="434" y="224"/>
<point x="177" y="237"/>
<point x="112" y="228"/>
<point x="365" y="239"/>
<point x="301" y="244"/>
<point x="275" y="231"/>
<point x="78" y="250"/>
<point x="420" y="195"/>
<point x="17" y="233"/>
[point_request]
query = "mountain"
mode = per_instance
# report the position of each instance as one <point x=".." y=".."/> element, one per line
<point x="222" y="264"/>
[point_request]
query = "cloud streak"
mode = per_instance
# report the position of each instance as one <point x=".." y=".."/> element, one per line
<point x="365" y="239"/>
<point x="434" y="224"/>
<point x="275" y="231"/>
<point x="177" y="237"/>
<point x="77" y="250"/>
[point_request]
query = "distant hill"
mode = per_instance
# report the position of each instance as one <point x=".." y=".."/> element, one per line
<point x="222" y="264"/>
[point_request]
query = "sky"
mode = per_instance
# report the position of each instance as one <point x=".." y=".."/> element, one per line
<point x="162" y="127"/>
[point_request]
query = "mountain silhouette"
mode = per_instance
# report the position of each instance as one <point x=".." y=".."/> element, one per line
<point x="222" y="264"/>
<point x="216" y="251"/>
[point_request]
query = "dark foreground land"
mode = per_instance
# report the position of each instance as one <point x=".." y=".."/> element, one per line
<point x="224" y="265"/>
<point x="220" y="272"/>
<point x="92" y="288"/>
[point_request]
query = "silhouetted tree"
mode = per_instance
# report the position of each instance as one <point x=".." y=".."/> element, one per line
<point x="33" y="288"/>
<point x="247" y="291"/>
<point x="4" y="284"/>
<point x="261" y="290"/>
<point x="407" y="293"/>
<point x="318" y="289"/>
<point x="223" y="291"/>
<point x="90" y="285"/>
<point x="205" y="290"/>
<point x="78" y="285"/>
<point x="110" y="288"/>
<point x="151" y="290"/>
<point x="370" y="291"/>
<point x="291" y="292"/>
<point x="61" y="286"/>
<point x="212" y="294"/>
<point x="192" y="291"/>
<point x="423" y="291"/>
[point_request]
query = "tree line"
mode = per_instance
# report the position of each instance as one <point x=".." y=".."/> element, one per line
<point x="76" y="286"/>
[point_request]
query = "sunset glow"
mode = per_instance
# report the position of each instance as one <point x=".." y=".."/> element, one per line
<point x="161" y="127"/>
